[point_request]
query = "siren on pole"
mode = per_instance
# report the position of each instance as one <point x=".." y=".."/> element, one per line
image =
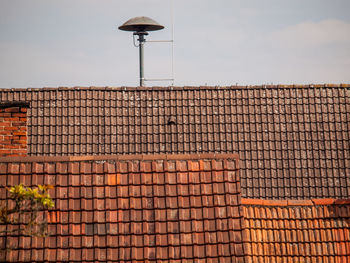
<point x="140" y="26"/>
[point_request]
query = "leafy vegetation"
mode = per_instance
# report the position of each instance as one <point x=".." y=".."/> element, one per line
<point x="23" y="213"/>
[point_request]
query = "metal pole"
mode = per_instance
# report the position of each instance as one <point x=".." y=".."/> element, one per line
<point x="141" y="41"/>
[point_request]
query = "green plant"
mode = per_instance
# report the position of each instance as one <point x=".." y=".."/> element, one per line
<point x="24" y="211"/>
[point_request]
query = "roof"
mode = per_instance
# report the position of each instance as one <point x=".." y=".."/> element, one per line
<point x="291" y="136"/>
<point x="297" y="232"/>
<point x="128" y="208"/>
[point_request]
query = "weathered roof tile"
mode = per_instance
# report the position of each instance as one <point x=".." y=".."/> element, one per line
<point x="281" y="133"/>
<point x="304" y="232"/>
<point x="148" y="210"/>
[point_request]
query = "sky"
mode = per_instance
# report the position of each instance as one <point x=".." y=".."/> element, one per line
<point x="68" y="43"/>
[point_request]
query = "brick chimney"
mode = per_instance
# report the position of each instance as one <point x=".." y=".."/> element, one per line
<point x="13" y="129"/>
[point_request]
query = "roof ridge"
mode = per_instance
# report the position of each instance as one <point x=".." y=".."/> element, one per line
<point x="131" y="157"/>
<point x="125" y="88"/>
<point x="294" y="202"/>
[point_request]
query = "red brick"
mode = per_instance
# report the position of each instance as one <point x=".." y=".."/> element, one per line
<point x="11" y="147"/>
<point x="13" y="119"/>
<point x="17" y="151"/>
<point x="10" y="128"/>
<point x="19" y="142"/>
<point x="6" y="142"/>
<point x="12" y="109"/>
<point x="5" y="124"/>
<point x="21" y="115"/>
<point x="20" y="133"/>
<point x="20" y="123"/>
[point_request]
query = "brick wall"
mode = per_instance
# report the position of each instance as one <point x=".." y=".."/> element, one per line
<point x="13" y="130"/>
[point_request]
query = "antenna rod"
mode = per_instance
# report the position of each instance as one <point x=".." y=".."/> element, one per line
<point x="172" y="42"/>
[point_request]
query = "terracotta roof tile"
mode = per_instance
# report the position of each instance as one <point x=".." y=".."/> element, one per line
<point x="291" y="136"/>
<point x="297" y="233"/>
<point x="153" y="209"/>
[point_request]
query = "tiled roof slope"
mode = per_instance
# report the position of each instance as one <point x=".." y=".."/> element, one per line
<point x="297" y="233"/>
<point x="291" y="136"/>
<point x="133" y="208"/>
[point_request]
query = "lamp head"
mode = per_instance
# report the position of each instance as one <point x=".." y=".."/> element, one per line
<point x="141" y="24"/>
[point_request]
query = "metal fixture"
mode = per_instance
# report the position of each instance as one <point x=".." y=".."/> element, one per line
<point x="140" y="25"/>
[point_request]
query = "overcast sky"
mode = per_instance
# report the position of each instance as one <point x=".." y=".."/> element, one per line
<point x="52" y="43"/>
